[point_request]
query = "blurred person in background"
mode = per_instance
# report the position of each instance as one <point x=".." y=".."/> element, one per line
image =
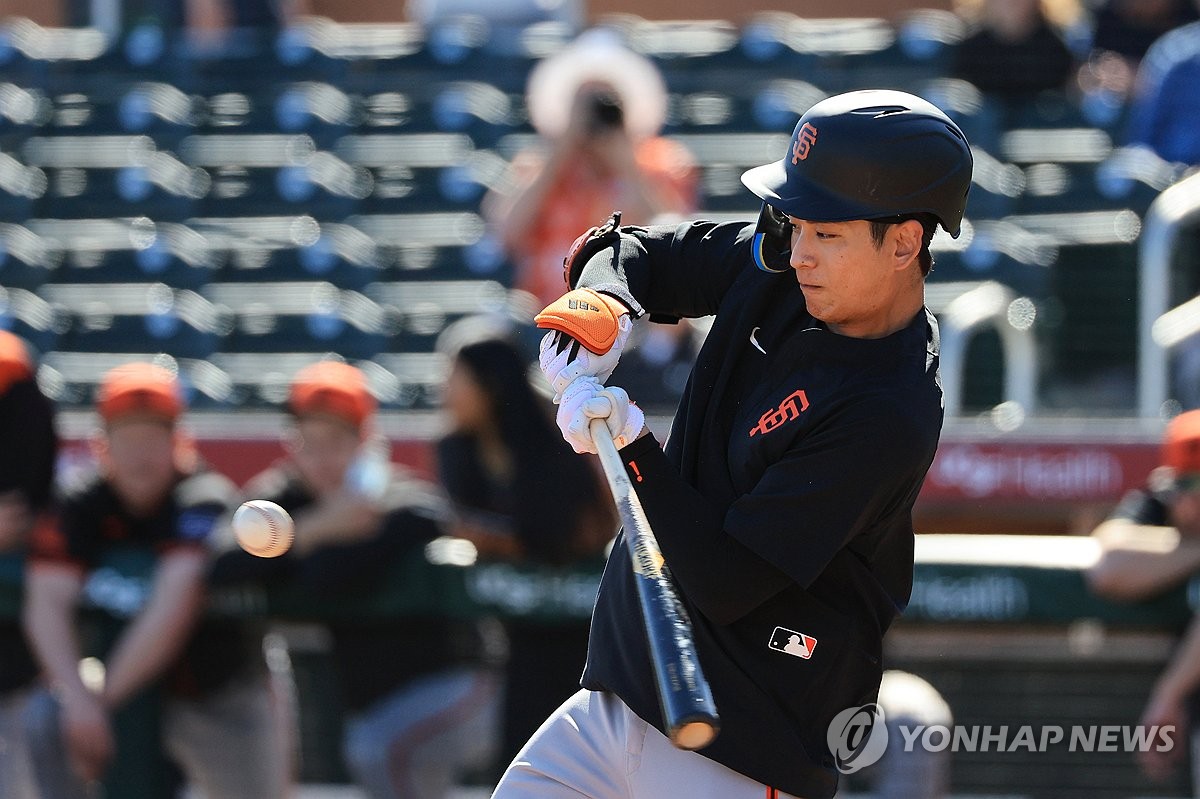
<point x="1164" y="112"/>
<point x="26" y="484"/>
<point x="1149" y="544"/>
<point x="598" y="108"/>
<point x="503" y="466"/>
<point x="1122" y="32"/>
<point x="420" y="693"/>
<point x="150" y="496"/>
<point x="1016" y="49"/>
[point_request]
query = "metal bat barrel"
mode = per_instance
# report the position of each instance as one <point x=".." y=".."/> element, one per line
<point x="685" y="698"/>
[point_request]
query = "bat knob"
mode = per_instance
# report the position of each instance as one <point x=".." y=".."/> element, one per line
<point x="694" y="735"/>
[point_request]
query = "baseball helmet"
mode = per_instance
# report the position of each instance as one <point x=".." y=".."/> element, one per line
<point x="871" y="154"/>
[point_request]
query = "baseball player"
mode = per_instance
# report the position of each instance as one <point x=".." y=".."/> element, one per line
<point x="783" y="500"/>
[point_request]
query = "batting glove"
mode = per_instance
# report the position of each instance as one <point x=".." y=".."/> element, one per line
<point x="588" y="332"/>
<point x="583" y="400"/>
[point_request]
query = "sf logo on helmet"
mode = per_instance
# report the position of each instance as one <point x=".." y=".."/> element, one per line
<point x="806" y="137"/>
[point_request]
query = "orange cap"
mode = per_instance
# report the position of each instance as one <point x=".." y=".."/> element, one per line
<point x="139" y="388"/>
<point x="1181" y="443"/>
<point x="15" y="364"/>
<point x="332" y="387"/>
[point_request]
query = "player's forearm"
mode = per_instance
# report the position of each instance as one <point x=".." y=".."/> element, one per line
<point x="1139" y="561"/>
<point x="724" y="578"/>
<point x="156" y="637"/>
<point x="1182" y="675"/>
<point x="48" y="617"/>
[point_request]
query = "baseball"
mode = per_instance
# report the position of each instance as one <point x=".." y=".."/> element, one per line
<point x="263" y="528"/>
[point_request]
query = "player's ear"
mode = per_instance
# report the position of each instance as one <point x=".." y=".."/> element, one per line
<point x="906" y="238"/>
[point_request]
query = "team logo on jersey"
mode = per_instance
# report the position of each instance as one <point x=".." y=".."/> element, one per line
<point x="790" y="642"/>
<point x="792" y="406"/>
<point x="806" y="137"/>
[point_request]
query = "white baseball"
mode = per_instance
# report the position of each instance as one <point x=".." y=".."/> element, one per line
<point x="263" y="528"/>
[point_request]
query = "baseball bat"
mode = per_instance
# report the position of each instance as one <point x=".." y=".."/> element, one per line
<point x="689" y="713"/>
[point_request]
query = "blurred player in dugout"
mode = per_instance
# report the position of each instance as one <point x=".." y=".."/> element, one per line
<point x="28" y="445"/>
<point x="151" y="498"/>
<point x="420" y="692"/>
<point x="1150" y="543"/>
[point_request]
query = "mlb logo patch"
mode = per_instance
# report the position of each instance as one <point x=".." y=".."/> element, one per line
<point x="791" y="642"/>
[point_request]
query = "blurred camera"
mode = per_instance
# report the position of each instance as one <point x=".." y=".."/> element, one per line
<point x="604" y="111"/>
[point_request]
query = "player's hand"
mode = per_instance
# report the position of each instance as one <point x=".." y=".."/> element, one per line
<point x="588" y="331"/>
<point x="583" y="400"/>
<point x="1164" y="711"/>
<point x="88" y="736"/>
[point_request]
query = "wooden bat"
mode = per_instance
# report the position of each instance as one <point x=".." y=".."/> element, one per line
<point x="689" y="713"/>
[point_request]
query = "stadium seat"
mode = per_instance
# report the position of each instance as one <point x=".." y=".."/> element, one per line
<point x="29" y="316"/>
<point x="134" y="317"/>
<point x="997" y="250"/>
<point x="429" y="245"/>
<point x="723" y="157"/>
<point x="411" y="380"/>
<point x="261" y="380"/>
<point x="322" y="110"/>
<point x="96" y="176"/>
<point x="21" y="187"/>
<point x="137" y="250"/>
<point x="273" y="174"/>
<point x="1091" y="329"/>
<point x="72" y="378"/>
<point x="289" y="248"/>
<point x="1060" y="167"/>
<point x="422" y="309"/>
<point x="26" y="259"/>
<point x="300" y="316"/>
<point x="421" y="171"/>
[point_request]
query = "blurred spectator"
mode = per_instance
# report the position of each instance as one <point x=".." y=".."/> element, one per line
<point x="1149" y="544"/>
<point x="598" y="108"/>
<point x="420" y="693"/>
<point x="1015" y="50"/>
<point x="26" y="483"/>
<point x="520" y="493"/>
<point x="1122" y="32"/>
<point x="151" y="497"/>
<point x="1164" y="113"/>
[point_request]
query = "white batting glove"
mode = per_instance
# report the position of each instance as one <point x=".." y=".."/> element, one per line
<point x="583" y="400"/>
<point x="563" y="359"/>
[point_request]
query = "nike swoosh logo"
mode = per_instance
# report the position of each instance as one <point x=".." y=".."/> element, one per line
<point x="754" y="341"/>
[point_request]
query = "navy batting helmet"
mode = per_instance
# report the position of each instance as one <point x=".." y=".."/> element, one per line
<point x="871" y="154"/>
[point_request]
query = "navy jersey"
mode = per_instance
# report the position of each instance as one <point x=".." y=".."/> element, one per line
<point x="782" y="502"/>
<point x="93" y="524"/>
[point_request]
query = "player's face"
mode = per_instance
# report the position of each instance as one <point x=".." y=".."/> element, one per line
<point x="322" y="448"/>
<point x="139" y="457"/>
<point x="849" y="282"/>
<point x="1185" y="505"/>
